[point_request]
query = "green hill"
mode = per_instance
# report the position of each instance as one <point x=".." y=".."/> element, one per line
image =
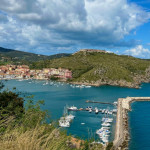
<point x="100" y="68"/>
<point x="20" y="57"/>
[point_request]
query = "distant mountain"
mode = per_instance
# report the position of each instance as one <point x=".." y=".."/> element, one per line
<point x="20" y="57"/>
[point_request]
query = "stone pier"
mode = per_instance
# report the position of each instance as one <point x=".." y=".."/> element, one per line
<point x="122" y="133"/>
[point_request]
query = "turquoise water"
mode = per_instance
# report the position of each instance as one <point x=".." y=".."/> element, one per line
<point x="139" y="123"/>
<point x="58" y="96"/>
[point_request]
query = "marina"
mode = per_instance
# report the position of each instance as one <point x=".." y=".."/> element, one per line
<point x="96" y="110"/>
<point x="104" y="132"/>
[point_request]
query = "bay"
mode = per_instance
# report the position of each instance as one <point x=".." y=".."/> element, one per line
<point x="58" y="95"/>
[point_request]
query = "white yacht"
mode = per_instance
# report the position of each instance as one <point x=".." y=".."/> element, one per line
<point x="103" y="132"/>
<point x="110" y="112"/>
<point x="70" y="117"/>
<point x="72" y="108"/>
<point x="64" y="123"/>
<point x="107" y="120"/>
<point x="96" y="110"/>
<point x="105" y="128"/>
<point x="106" y="124"/>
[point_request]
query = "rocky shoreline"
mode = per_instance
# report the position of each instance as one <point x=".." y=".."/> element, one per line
<point x="137" y="81"/>
<point x="120" y="83"/>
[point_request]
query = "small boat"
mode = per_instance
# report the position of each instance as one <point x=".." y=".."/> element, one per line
<point x="99" y="131"/>
<point x="105" y="128"/>
<point x="82" y="123"/>
<point x="96" y="110"/>
<point x="104" y="135"/>
<point x="64" y="123"/>
<point x="107" y="131"/>
<point x="106" y="111"/>
<point x="72" y="108"/>
<point x="103" y="111"/>
<point x="110" y="112"/>
<point x="90" y="110"/>
<point x="70" y="117"/>
<point x="103" y="132"/>
<point x="100" y="110"/>
<point x="107" y="120"/>
<point x="106" y="124"/>
<point x="115" y="103"/>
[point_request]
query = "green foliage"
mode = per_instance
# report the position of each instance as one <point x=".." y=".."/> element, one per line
<point x="33" y="115"/>
<point x="10" y="104"/>
<point x="95" y="66"/>
<point x="53" y="78"/>
<point x="109" y="146"/>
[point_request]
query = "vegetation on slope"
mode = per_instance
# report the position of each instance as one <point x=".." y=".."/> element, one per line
<point x="93" y="67"/>
<point x="26" y="127"/>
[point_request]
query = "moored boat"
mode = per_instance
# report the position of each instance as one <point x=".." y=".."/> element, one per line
<point x="72" y="108"/>
<point x="64" y="123"/>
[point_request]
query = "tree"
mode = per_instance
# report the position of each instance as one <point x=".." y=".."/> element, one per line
<point x="10" y="104"/>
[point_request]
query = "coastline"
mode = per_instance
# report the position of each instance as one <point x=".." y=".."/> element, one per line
<point x="94" y="84"/>
<point x="122" y="128"/>
<point x="123" y="84"/>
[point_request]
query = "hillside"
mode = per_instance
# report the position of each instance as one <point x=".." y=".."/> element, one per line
<point x="102" y="68"/>
<point x="20" y="57"/>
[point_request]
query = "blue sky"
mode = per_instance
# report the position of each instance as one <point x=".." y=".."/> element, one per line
<point x="58" y="26"/>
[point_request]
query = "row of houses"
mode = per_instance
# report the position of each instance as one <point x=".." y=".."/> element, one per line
<point x="23" y="71"/>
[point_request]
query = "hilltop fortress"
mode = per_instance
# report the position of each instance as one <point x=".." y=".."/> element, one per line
<point x="91" y="51"/>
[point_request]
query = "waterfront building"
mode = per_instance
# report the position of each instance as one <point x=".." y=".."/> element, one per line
<point x="23" y="71"/>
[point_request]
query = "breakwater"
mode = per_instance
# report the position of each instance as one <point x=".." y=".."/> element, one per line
<point x="122" y="133"/>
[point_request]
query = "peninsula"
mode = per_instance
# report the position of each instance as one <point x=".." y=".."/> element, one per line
<point x="122" y="133"/>
<point x="99" y="67"/>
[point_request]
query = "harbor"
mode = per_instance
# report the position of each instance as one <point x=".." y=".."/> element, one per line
<point x="104" y="131"/>
<point x="85" y="123"/>
<point x="96" y="110"/>
<point x="122" y="130"/>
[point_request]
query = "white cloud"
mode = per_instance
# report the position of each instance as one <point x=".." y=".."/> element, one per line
<point x="69" y="23"/>
<point x="139" y="52"/>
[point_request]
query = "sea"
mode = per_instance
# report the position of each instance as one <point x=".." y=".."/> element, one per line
<point x="58" y="95"/>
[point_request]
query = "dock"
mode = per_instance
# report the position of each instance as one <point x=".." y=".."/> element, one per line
<point x="88" y="101"/>
<point x="122" y="133"/>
